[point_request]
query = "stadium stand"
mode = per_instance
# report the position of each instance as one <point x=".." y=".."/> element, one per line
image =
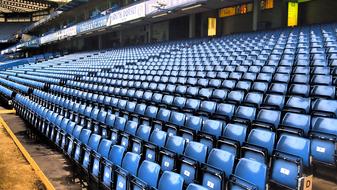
<point x="244" y="111"/>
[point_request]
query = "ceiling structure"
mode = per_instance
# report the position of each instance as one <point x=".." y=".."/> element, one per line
<point x="28" y="6"/>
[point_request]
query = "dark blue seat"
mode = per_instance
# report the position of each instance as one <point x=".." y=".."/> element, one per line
<point x="210" y="132"/>
<point x="298" y="104"/>
<point x="115" y="158"/>
<point x="157" y="140"/>
<point x="296" y="123"/>
<point x="323" y="107"/>
<point x="92" y="146"/>
<point x="268" y="118"/>
<point x="193" y="186"/>
<point x="245" y="114"/>
<point x="102" y="152"/>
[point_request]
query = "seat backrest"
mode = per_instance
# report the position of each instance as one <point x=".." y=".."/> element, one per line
<point x="262" y="138"/>
<point x="85" y="135"/>
<point x="94" y="141"/>
<point x="170" y="180"/>
<point x="196" y="151"/>
<point x="235" y="131"/>
<point x="221" y="160"/>
<point x="116" y="154"/>
<point x="252" y="171"/>
<point x="194" y="123"/>
<point x="131" y="127"/>
<point x="295" y="146"/>
<point x="299" y="121"/>
<point x="158" y="138"/>
<point x="212" y="127"/>
<point x="324" y="125"/>
<point x="143" y="132"/>
<point x="175" y="144"/>
<point x="131" y="162"/>
<point x="178" y="118"/>
<point x="149" y="173"/>
<point x="193" y="186"/>
<point x="120" y="123"/>
<point x="77" y="131"/>
<point x="104" y="147"/>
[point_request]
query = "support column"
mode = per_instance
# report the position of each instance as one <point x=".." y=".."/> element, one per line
<point x="256" y="13"/>
<point x="191" y="26"/>
<point x="100" y="45"/>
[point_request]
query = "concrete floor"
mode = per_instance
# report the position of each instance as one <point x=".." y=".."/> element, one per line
<point x="58" y="169"/>
<point x="52" y="162"/>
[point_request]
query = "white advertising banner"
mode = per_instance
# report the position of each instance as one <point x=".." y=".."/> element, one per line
<point x="48" y="38"/>
<point x="127" y="14"/>
<point x="156" y="6"/>
<point x="65" y="33"/>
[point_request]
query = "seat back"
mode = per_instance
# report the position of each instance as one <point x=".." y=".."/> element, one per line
<point x="196" y="151"/>
<point x="170" y="180"/>
<point x="116" y="154"/>
<point x="175" y="144"/>
<point x="131" y="162"/>
<point x="149" y="173"/>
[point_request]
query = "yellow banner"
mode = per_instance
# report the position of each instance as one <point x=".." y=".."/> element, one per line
<point x="292" y="13"/>
<point x="226" y="12"/>
<point x="211" y="26"/>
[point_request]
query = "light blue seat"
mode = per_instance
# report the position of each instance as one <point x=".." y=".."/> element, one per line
<point x="148" y="175"/>
<point x="130" y="166"/>
<point x="115" y="158"/>
<point x="193" y="186"/>
<point x="175" y="145"/>
<point x="92" y="145"/>
<point x="102" y="152"/>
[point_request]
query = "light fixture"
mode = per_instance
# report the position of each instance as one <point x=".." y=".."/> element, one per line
<point x="191" y="7"/>
<point x="160" y="15"/>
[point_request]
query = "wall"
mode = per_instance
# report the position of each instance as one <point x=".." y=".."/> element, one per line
<point x="318" y="11"/>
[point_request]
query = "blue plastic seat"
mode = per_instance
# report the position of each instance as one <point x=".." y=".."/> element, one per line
<point x="142" y="134"/>
<point x="157" y="140"/>
<point x="298" y="104"/>
<point x="130" y="166"/>
<point x="220" y="165"/>
<point x="268" y="118"/>
<point x="175" y="145"/>
<point x="177" y="120"/>
<point x="83" y="139"/>
<point x="224" y="111"/>
<point x="323" y="141"/>
<point x="323" y="107"/>
<point x="194" y="154"/>
<point x="192" y="126"/>
<point x="249" y="174"/>
<point x="260" y="145"/>
<point x="211" y="131"/>
<point x="235" y="132"/>
<point x="170" y="180"/>
<point x="148" y="175"/>
<point x="102" y="152"/>
<point x="322" y="91"/>
<point x="296" y="123"/>
<point x="291" y="156"/>
<point x="193" y="186"/>
<point x="92" y="145"/>
<point x="245" y="114"/>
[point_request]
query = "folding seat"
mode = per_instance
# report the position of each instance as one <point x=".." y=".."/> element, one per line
<point x="156" y="141"/>
<point x="193" y="186"/>
<point x="191" y="81"/>
<point x="300" y="90"/>
<point x="291" y="157"/>
<point x="243" y="85"/>
<point x="192" y="127"/>
<point x="179" y="102"/>
<point x="115" y="124"/>
<point x="129" y="167"/>
<point x="177" y="121"/>
<point x="222" y="75"/>
<point x="205" y="93"/>
<point x="321" y="80"/>
<point x="150" y="115"/>
<point x="163" y="117"/>
<point x="268" y="119"/>
<point x="194" y="155"/>
<point x="264" y="77"/>
<point x="207" y="108"/>
<point x="192" y="105"/>
<point x="157" y="98"/>
<point x="219" y="166"/>
<point x="181" y="90"/>
<point x="228" y="84"/>
<point x="260" y="87"/>
<point x="192" y="92"/>
<point x="321" y="91"/>
<point x="78" y="144"/>
<point x="235" y="97"/>
<point x="245" y="114"/>
<point x="139" y="112"/>
<point x="253" y="99"/>
<point x="97" y="158"/>
<point x="324" y="107"/>
<point x="211" y="130"/>
<point x="298" y="104"/>
<point x="203" y="82"/>
<point x="109" y="165"/>
<point x="219" y="95"/>
<point x="224" y="111"/>
<point x="278" y="88"/>
<point x="142" y="135"/>
<point x="129" y="131"/>
<point x="170" y="180"/>
<point x="174" y="146"/>
<point x="249" y="76"/>
<point x="274" y="101"/>
<point x="147" y="176"/>
<point x="323" y="141"/>
<point x="259" y="145"/>
<point x="215" y="83"/>
<point x="249" y="174"/>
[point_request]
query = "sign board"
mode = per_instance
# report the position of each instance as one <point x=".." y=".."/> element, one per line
<point x="292" y="13"/>
<point x="127" y="14"/>
<point x="226" y="12"/>
<point x="68" y="32"/>
<point x="48" y="38"/>
<point x="211" y="26"/>
<point x="156" y="6"/>
<point x="92" y="24"/>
